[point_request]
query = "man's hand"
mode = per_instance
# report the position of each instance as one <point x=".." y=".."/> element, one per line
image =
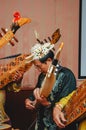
<point x="58" y="117"/>
<point x="41" y="99"/>
<point x="29" y="104"/>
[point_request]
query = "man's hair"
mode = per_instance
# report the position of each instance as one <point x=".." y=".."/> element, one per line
<point x="50" y="54"/>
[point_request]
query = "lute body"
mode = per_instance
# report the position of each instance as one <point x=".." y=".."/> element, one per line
<point x="75" y="109"/>
<point x="21" y="63"/>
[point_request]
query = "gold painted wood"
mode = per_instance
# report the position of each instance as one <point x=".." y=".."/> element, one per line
<point x="75" y="109"/>
<point x="50" y="77"/>
<point x="21" y="63"/>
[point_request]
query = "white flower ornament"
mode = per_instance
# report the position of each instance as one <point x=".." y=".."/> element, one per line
<point x="40" y="50"/>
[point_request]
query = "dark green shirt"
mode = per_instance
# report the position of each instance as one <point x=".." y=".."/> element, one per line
<point x="65" y="83"/>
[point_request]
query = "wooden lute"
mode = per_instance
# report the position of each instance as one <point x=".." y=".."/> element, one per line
<point x="75" y="109"/>
<point x="50" y="77"/>
<point x="7" y="35"/>
<point x="21" y="63"/>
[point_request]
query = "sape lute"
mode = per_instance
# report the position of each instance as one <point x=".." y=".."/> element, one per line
<point x="8" y="35"/>
<point x="21" y="63"/>
<point x="50" y="77"/>
<point x="75" y="110"/>
<point x="53" y="39"/>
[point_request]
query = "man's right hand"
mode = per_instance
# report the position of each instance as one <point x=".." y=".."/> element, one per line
<point x="40" y="99"/>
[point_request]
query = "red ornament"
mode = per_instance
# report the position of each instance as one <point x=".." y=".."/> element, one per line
<point x="17" y="16"/>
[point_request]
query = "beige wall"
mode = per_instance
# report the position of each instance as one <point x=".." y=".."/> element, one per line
<point x="47" y="16"/>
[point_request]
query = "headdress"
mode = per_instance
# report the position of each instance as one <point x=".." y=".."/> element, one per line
<point x="39" y="51"/>
<point x="43" y="50"/>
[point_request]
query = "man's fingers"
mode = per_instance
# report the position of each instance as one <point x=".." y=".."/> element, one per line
<point x="37" y="94"/>
<point x="63" y="118"/>
<point x="58" y="122"/>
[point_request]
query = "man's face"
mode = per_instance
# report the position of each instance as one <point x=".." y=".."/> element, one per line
<point x="42" y="67"/>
